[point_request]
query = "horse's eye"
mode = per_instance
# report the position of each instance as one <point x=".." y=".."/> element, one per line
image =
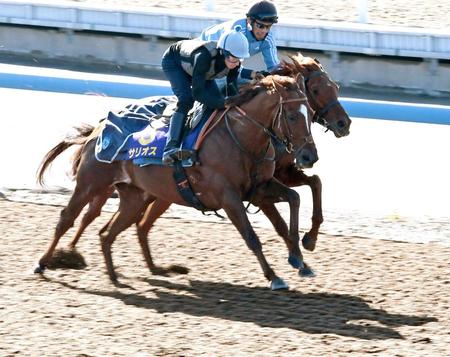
<point x="315" y="91"/>
<point x="293" y="116"/>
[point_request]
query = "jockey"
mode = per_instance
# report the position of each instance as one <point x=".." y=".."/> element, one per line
<point x="191" y="67"/>
<point x="257" y="25"/>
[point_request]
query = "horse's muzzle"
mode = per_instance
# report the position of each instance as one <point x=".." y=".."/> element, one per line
<point x="340" y="127"/>
<point x="306" y="158"/>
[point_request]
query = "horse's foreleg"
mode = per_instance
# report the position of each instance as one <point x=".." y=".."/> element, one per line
<point x="94" y="210"/>
<point x="265" y="197"/>
<point x="154" y="211"/>
<point x="79" y="199"/>
<point x="130" y="210"/>
<point x="235" y="211"/>
<point x="310" y="238"/>
<point x="291" y="241"/>
<point x="292" y="176"/>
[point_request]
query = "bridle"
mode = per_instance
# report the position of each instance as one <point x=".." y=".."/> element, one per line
<point x="280" y="120"/>
<point x="319" y="115"/>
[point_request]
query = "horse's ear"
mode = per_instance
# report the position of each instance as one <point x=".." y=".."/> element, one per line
<point x="319" y="64"/>
<point x="300" y="80"/>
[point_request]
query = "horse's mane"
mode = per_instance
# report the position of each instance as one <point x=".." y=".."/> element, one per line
<point x="268" y="84"/>
<point x="298" y="64"/>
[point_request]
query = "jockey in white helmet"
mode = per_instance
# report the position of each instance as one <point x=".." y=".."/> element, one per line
<point x="191" y="67"/>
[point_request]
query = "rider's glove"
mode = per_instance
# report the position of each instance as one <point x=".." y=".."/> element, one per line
<point x="260" y="75"/>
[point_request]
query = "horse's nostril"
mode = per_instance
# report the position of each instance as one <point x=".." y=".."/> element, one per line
<point x="306" y="158"/>
<point x="341" y="124"/>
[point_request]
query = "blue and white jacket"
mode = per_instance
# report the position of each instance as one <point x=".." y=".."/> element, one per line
<point x="267" y="47"/>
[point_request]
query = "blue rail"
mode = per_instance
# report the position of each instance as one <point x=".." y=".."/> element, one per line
<point x="130" y="87"/>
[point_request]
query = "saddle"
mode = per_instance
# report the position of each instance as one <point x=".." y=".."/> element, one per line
<point x="194" y="116"/>
<point x="139" y="132"/>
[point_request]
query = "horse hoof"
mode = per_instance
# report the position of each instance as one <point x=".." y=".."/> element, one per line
<point x="306" y="272"/>
<point x="39" y="269"/>
<point x="294" y="261"/>
<point x="308" y="242"/>
<point x="278" y="284"/>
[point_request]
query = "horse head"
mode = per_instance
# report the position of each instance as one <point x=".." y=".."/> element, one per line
<point x="292" y="123"/>
<point x="322" y="93"/>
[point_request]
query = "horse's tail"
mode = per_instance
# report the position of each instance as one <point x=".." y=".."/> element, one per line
<point x="80" y="138"/>
<point x="89" y="134"/>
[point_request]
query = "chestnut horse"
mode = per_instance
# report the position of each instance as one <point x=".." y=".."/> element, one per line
<point x="243" y="138"/>
<point x="323" y="97"/>
<point x="322" y="93"/>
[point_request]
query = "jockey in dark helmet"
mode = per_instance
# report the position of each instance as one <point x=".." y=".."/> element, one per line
<point x="191" y="67"/>
<point x="263" y="11"/>
<point x="257" y="25"/>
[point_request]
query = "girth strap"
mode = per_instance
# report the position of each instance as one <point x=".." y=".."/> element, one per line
<point x="184" y="187"/>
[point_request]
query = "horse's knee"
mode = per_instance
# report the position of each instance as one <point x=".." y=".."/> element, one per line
<point x="294" y="198"/>
<point x="316" y="179"/>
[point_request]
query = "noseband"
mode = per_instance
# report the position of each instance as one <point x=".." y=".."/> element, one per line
<point x="319" y="115"/>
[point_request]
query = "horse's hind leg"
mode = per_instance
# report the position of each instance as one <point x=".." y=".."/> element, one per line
<point x="79" y="199"/>
<point x="94" y="210"/>
<point x="130" y="210"/>
<point x="153" y="212"/>
<point x="235" y="210"/>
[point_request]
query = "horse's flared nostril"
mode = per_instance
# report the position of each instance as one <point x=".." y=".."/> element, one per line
<point x="306" y="158"/>
<point x="341" y="124"/>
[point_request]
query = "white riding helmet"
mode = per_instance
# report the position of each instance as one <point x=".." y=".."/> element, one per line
<point x="235" y="42"/>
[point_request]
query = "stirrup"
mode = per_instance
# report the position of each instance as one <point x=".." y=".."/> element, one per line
<point x="170" y="156"/>
<point x="184" y="154"/>
<point x="173" y="155"/>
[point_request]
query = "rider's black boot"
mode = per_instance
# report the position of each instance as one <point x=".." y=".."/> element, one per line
<point x="173" y="138"/>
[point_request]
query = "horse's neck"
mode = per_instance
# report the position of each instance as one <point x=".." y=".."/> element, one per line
<point x="264" y="113"/>
<point x="249" y="130"/>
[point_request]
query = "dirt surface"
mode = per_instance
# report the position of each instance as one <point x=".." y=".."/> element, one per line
<point x="370" y="297"/>
<point x="410" y="13"/>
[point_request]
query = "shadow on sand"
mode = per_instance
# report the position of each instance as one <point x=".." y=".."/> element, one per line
<point x="318" y="313"/>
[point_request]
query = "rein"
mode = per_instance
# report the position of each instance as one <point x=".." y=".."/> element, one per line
<point x="238" y="143"/>
<point x="319" y="115"/>
<point x="289" y="147"/>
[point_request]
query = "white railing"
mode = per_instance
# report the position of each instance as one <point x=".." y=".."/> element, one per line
<point x="316" y="35"/>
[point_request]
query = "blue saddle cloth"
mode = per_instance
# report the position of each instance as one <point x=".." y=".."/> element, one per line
<point x="136" y="134"/>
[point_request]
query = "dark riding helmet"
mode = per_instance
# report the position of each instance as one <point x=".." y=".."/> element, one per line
<point x="264" y="11"/>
